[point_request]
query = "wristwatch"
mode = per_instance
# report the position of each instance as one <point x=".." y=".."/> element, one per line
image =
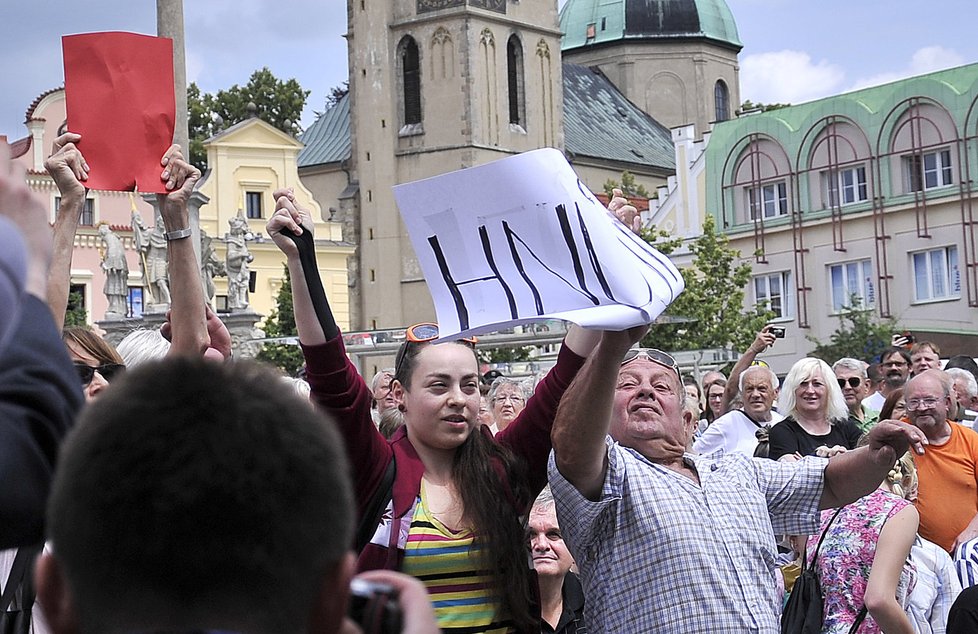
<point x="179" y="234"/>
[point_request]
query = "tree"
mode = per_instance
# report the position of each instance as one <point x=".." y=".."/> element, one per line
<point x="628" y="186"/>
<point x="75" y="314"/>
<point x="505" y="355"/>
<point x="750" y="106"/>
<point x="335" y="94"/>
<point x="861" y="335"/>
<point x="713" y="299"/>
<point x="281" y="323"/>
<point x="278" y="102"/>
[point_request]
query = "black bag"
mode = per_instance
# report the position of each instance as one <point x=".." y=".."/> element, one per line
<point x="803" y="612"/>
<point x="374" y="510"/>
<point x="19" y="586"/>
<point x="763" y="434"/>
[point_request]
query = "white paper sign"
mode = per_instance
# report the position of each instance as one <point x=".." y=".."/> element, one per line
<point x="522" y="239"/>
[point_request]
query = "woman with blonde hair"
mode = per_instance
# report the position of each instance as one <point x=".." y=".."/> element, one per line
<point x="817" y="420"/>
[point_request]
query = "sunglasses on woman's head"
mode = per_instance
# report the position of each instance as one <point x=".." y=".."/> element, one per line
<point x="422" y="333"/>
<point x="653" y="355"/>
<point x="86" y="372"/>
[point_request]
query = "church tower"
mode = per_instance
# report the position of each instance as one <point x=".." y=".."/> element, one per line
<point x="435" y="86"/>
<point x="675" y="59"/>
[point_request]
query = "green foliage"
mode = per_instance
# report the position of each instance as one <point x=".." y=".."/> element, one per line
<point x="335" y="94"/>
<point x="76" y="315"/>
<point x="278" y="102"/>
<point x="714" y="299"/>
<point x="749" y="106"/>
<point x="504" y="355"/>
<point x="628" y="186"/>
<point x="281" y="323"/>
<point x="861" y="335"/>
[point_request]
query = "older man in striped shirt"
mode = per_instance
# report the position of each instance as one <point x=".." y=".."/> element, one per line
<point x="667" y="541"/>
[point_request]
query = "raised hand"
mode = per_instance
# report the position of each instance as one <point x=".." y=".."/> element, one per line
<point x="288" y="215"/>
<point x="625" y="211"/>
<point x="67" y="166"/>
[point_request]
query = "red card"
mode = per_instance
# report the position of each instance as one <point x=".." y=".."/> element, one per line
<point x="119" y="98"/>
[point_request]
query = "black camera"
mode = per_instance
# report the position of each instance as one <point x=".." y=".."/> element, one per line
<point x="374" y="607"/>
<point x="777" y="331"/>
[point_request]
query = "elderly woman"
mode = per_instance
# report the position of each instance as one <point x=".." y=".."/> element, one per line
<point x="817" y="421"/>
<point x="507" y="398"/>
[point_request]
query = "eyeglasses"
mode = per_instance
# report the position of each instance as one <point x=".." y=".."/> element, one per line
<point x="86" y="372"/>
<point x="922" y="403"/>
<point x="895" y="364"/>
<point x="508" y="398"/>
<point x="653" y="355"/>
<point x="853" y="381"/>
<point x="422" y="333"/>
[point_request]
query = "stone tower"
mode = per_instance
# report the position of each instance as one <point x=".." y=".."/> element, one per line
<point x="675" y="59"/>
<point x="435" y="86"/>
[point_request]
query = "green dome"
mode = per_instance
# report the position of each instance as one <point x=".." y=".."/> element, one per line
<point x="592" y="22"/>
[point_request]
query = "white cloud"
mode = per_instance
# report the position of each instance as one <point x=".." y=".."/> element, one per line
<point x="787" y="77"/>
<point x="924" y="60"/>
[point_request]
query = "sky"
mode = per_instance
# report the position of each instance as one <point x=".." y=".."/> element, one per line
<point x="794" y="50"/>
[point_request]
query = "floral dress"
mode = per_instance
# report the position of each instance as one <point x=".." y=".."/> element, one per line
<point x="846" y="557"/>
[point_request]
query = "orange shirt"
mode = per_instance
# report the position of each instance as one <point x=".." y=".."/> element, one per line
<point x="947" y="496"/>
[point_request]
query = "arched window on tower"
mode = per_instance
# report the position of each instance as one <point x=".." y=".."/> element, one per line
<point x="517" y="86"/>
<point x="411" y="80"/>
<point x="721" y="101"/>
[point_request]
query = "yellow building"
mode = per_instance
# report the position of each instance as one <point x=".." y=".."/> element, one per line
<point x="246" y="163"/>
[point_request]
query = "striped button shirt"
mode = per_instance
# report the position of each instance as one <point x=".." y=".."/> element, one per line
<point x="660" y="553"/>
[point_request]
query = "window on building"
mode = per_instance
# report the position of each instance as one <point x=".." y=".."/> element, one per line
<point x="86" y="217"/>
<point x="936" y="275"/>
<point x="721" y="101"/>
<point x="928" y="171"/>
<point x="852" y="281"/>
<point x="774" y="291"/>
<point x="771" y="200"/>
<point x="135" y="301"/>
<point x="253" y="205"/>
<point x="411" y="80"/>
<point x="844" y="186"/>
<point x="514" y="73"/>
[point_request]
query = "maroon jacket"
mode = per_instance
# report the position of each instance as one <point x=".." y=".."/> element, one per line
<point x="341" y="391"/>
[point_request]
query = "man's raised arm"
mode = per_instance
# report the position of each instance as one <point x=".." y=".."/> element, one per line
<point x="584" y="415"/>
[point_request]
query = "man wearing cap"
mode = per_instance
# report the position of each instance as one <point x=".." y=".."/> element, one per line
<point x="668" y="541"/>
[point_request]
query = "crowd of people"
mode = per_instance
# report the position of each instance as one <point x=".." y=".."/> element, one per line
<point x="165" y="487"/>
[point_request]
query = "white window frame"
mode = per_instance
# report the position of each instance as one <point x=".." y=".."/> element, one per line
<point x="773" y="200"/>
<point x="933" y="170"/>
<point x="846" y="279"/>
<point x="846" y="186"/>
<point x="774" y="289"/>
<point x="936" y="275"/>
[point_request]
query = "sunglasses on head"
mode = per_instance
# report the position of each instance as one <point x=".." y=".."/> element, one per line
<point x="653" y="355"/>
<point x="853" y="381"/>
<point x="422" y="333"/>
<point x="86" y="372"/>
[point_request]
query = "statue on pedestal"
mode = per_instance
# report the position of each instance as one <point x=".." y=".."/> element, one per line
<point x="237" y="259"/>
<point x="116" y="270"/>
<point x="151" y="244"/>
<point x="210" y="265"/>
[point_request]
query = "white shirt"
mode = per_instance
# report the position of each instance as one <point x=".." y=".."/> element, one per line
<point x="733" y="433"/>
<point x="874" y="401"/>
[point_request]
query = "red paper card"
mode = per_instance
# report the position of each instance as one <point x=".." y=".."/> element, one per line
<point x="119" y="98"/>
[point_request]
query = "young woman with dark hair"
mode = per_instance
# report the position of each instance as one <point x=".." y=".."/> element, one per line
<point x="453" y="516"/>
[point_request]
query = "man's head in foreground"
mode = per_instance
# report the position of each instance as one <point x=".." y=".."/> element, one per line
<point x="199" y="496"/>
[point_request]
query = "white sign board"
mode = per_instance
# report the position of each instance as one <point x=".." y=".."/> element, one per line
<point x="522" y="239"/>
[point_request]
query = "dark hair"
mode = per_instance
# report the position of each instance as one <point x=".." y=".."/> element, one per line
<point x="892" y="350"/>
<point x="875" y="372"/>
<point x="196" y="493"/>
<point x="92" y="344"/>
<point x="483" y="471"/>
<point x="964" y="362"/>
<point x="890" y="404"/>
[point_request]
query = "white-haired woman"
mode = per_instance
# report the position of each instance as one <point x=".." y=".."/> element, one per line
<point x="817" y="419"/>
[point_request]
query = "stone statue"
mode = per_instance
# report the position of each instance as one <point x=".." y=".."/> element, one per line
<point x="151" y="244"/>
<point x="116" y="269"/>
<point x="211" y="265"/>
<point x="237" y="259"/>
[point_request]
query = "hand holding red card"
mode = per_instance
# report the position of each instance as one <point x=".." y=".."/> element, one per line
<point x="120" y="99"/>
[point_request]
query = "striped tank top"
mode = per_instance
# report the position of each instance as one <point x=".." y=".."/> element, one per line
<point x="447" y="563"/>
